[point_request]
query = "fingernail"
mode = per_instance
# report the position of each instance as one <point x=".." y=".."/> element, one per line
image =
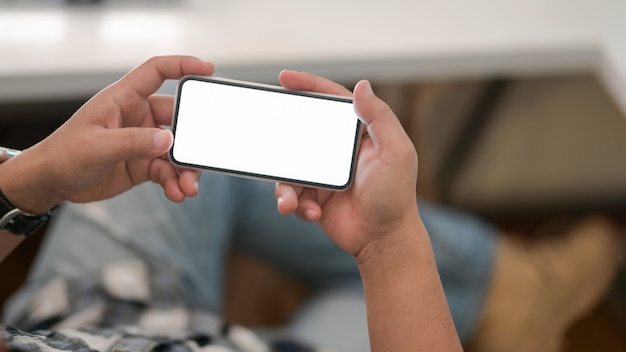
<point x="309" y="214"/>
<point x="367" y="90"/>
<point x="279" y="200"/>
<point x="162" y="139"/>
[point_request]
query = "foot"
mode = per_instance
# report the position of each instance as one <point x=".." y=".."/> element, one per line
<point x="541" y="286"/>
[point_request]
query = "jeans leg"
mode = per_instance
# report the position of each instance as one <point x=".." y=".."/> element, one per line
<point x="192" y="237"/>
<point x="299" y="248"/>
<point x="464" y="248"/>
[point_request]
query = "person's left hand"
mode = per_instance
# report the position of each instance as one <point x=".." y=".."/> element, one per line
<point x="112" y="143"/>
<point x="380" y="205"/>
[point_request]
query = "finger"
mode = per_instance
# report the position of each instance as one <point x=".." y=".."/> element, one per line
<point x="308" y="206"/>
<point x="162" y="108"/>
<point x="164" y="156"/>
<point x="146" y="78"/>
<point x="135" y="143"/>
<point x="382" y="124"/>
<point x="298" y="200"/>
<point x="188" y="182"/>
<point x="164" y="174"/>
<point x="309" y="82"/>
<point x="286" y="198"/>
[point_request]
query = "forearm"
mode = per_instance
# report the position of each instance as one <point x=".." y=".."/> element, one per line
<point x="18" y="184"/>
<point x="22" y="180"/>
<point x="406" y="305"/>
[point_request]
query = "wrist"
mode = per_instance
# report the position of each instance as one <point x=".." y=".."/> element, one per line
<point x="404" y="247"/>
<point x="404" y="296"/>
<point x="21" y="185"/>
<point x="18" y="222"/>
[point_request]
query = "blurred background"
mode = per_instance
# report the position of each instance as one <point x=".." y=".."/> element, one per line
<point x="516" y="108"/>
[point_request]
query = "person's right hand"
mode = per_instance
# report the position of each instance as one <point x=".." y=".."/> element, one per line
<point x="112" y="143"/>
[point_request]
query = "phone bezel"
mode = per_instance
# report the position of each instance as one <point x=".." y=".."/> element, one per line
<point x="257" y="176"/>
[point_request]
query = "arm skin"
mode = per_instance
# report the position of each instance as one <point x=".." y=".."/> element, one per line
<point x="378" y="222"/>
<point x="109" y="145"/>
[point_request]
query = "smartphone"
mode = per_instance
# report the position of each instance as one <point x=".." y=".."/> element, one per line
<point x="265" y="132"/>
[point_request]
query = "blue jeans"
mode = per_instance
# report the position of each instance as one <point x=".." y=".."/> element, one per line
<point x="197" y="235"/>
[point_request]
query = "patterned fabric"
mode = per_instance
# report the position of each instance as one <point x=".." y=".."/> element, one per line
<point x="129" y="339"/>
<point x="135" y="308"/>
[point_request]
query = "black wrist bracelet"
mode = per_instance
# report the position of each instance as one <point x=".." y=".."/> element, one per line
<point x="17" y="222"/>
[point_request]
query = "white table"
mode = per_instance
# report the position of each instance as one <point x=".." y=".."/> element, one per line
<point x="62" y="52"/>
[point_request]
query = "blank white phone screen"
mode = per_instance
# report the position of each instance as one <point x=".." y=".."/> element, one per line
<point x="261" y="132"/>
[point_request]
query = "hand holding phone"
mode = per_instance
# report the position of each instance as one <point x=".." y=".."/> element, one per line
<point x="265" y="132"/>
<point x="381" y="201"/>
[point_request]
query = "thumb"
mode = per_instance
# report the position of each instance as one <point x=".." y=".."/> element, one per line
<point x="382" y="124"/>
<point x="137" y="143"/>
